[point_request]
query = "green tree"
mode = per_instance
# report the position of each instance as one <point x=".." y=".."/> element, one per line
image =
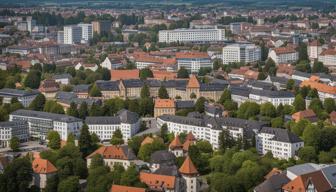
<point x="303" y="54"/>
<point x="52" y="184"/>
<point x="130" y="177"/>
<point x="83" y="110"/>
<point x="145" y="92"/>
<point x="182" y="73"/>
<point x="71" y="139"/>
<point x="134" y="143"/>
<point x="117" y="138"/>
<point x="316" y="105"/>
<point x="33" y="79"/>
<point x="73" y="111"/>
<point x="318" y="67"/>
<point x="290" y="84"/>
<point x="299" y="127"/>
<point x="267" y="109"/>
<point x="248" y="110"/>
<point x="225" y="140"/>
<point x="199" y="105"/>
<point x="70" y="184"/>
<point x="299" y="103"/>
<point x="163" y="93"/>
<point x="96" y="161"/>
<point x="53" y="107"/>
<point x="313" y="94"/>
<point x="85" y="140"/>
<point x="95" y="91"/>
<point x="146" y="106"/>
<point x="277" y="122"/>
<point x="38" y="103"/>
<point x="147" y="149"/>
<point x="54" y="140"/>
<point x="325" y="157"/>
<point x="226" y="95"/>
<point x="96" y="110"/>
<point x="14" y="143"/>
<point x="311" y="136"/>
<point x="329" y="105"/>
<point x="145" y="73"/>
<point x="307" y="154"/>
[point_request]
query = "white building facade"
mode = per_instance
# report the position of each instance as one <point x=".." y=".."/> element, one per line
<point x="245" y="53"/>
<point x="282" y="143"/>
<point x="8" y="130"/>
<point x="87" y="31"/>
<point x="283" y="55"/>
<point x="72" y="34"/>
<point x="191" y="35"/>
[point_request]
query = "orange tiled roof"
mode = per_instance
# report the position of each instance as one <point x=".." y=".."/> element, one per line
<point x="315" y="43"/>
<point x="190" y="137"/>
<point x="49" y="85"/>
<point x="300" y="183"/>
<point x="164" y="103"/>
<point x="24" y="64"/>
<point x="285" y="68"/>
<point x="191" y="55"/>
<point x="329" y="51"/>
<point x="43" y="166"/>
<point x="314" y="84"/>
<point x="187" y="144"/>
<point x="284" y="50"/>
<point x="125" y="74"/>
<point x="158" y="182"/>
<point x="121" y="188"/>
<point x="193" y="82"/>
<point x="176" y="143"/>
<point x="147" y="140"/>
<point x="162" y="75"/>
<point x="110" y="152"/>
<point x="188" y="167"/>
<point x="303" y="114"/>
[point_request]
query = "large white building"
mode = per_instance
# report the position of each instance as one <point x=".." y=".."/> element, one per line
<point x="24" y="97"/>
<point x="40" y="123"/>
<point x="283" y="55"/>
<point x="328" y="58"/>
<point x="209" y="128"/>
<point x="126" y="121"/>
<point x="9" y="129"/>
<point x="314" y="49"/>
<point x="235" y="28"/>
<point x="72" y="34"/>
<point x="245" y="53"/>
<point x="281" y="142"/>
<point x="87" y="31"/>
<point x="191" y="35"/>
<point x="193" y="61"/>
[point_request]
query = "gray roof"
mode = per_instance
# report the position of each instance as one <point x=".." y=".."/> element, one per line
<point x="16" y="92"/>
<point x="282" y="135"/>
<point x="274" y="183"/>
<point x="330" y="174"/>
<point x="163" y="157"/>
<point x="301" y="74"/>
<point x="133" y="83"/>
<point x="108" y="85"/>
<point x="62" y="76"/>
<point x="212" y="87"/>
<point x="171" y="170"/>
<point x="303" y="168"/>
<point x="213" y="109"/>
<point x="45" y="115"/>
<point x="260" y="85"/>
<point x="62" y="95"/>
<point x="81" y="88"/>
<point x="123" y="116"/>
<point x="272" y="94"/>
<point x="128" y="152"/>
<point x="184" y="104"/>
<point x="241" y="91"/>
<point x="7" y="124"/>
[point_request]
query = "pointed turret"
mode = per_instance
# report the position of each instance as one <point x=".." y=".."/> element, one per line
<point x="193" y="82"/>
<point x="188" y="167"/>
<point x="176" y="143"/>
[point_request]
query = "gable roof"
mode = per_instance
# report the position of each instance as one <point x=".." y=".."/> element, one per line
<point x="164" y="103"/>
<point x="114" y="152"/>
<point x="158" y="182"/>
<point x="176" y="143"/>
<point x="300" y="183"/>
<point x="273" y="183"/>
<point x="314" y="84"/>
<point x="125" y="74"/>
<point x="43" y="166"/>
<point x="188" y="167"/>
<point x="121" y="188"/>
<point x="305" y="114"/>
<point x="282" y="135"/>
<point x="193" y="82"/>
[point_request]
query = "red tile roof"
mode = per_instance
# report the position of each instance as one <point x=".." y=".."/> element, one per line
<point x="193" y="82"/>
<point x="125" y="74"/>
<point x="188" y="167"/>
<point x="121" y="188"/>
<point x="306" y="114"/>
<point x="164" y="103"/>
<point x="176" y="143"/>
<point x="43" y="166"/>
<point x="315" y="84"/>
<point x="111" y="152"/>
<point x="284" y="50"/>
<point x="329" y="51"/>
<point x="164" y="75"/>
<point x="191" y="55"/>
<point x="158" y="182"/>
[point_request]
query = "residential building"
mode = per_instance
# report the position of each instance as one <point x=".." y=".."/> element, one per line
<point x="314" y="49"/>
<point x="43" y="170"/>
<point x="100" y="27"/>
<point x="176" y="147"/>
<point x="193" y="61"/>
<point x="190" y="174"/>
<point x="283" y="55"/>
<point x="72" y="34"/>
<point x="235" y="28"/>
<point x="209" y="128"/>
<point x="328" y="58"/>
<point x="159" y="182"/>
<point x="10" y="129"/>
<point x="49" y="88"/>
<point x="63" y="79"/>
<point x="87" y="32"/>
<point x="60" y="37"/>
<point x="31" y="23"/>
<point x="111" y="63"/>
<point x="307" y="114"/>
<point x="104" y="127"/>
<point x="122" y="188"/>
<point x="282" y="143"/>
<point x="164" y="106"/>
<point x="191" y="35"/>
<point x="114" y="155"/>
<point x="24" y="97"/>
<point x="40" y="123"/>
<point x="244" y="53"/>
<point x="324" y="90"/>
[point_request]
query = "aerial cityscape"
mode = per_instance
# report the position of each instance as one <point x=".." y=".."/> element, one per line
<point x="168" y="96"/>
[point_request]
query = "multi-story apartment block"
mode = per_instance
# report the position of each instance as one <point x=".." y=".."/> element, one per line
<point x="40" y="123"/>
<point x="245" y="53"/>
<point x="283" y="55"/>
<point x="126" y="121"/>
<point x="24" y="97"/>
<point x="60" y="37"/>
<point x="87" y="32"/>
<point x="191" y="35"/>
<point x="282" y="143"/>
<point x="235" y="28"/>
<point x="9" y="129"/>
<point x="314" y="49"/>
<point x="72" y="34"/>
<point x="324" y="90"/>
<point x="193" y="61"/>
<point x="328" y="58"/>
<point x="164" y="106"/>
<point x="100" y="27"/>
<point x="114" y="155"/>
<point x="209" y="128"/>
